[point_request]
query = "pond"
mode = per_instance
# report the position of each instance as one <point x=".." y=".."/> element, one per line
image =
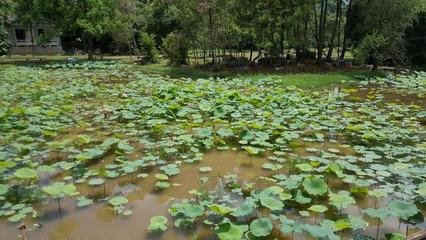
<point x="104" y="151"/>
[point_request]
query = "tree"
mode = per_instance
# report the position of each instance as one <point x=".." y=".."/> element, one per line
<point x="388" y="18"/>
<point x="128" y="21"/>
<point x="320" y="24"/>
<point x="416" y="40"/>
<point x="375" y="49"/>
<point x="148" y="49"/>
<point x="4" y="40"/>
<point x="161" y="19"/>
<point x="175" y="48"/>
<point x="94" y="18"/>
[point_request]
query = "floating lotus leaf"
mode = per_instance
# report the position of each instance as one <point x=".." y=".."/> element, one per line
<point x="315" y="186"/>
<point x="3" y="189"/>
<point x="317" y="231"/>
<point x="26" y="173"/>
<point x="304" y="213"/>
<point x="162" y="177"/>
<point x="225" y="132"/>
<point x="60" y="189"/>
<point x="342" y="224"/>
<point x="186" y="209"/>
<point x="118" y="201"/>
<point x="341" y="200"/>
<point x="170" y="170"/>
<point x="284" y="196"/>
<point x="305" y="167"/>
<point x="318" y="208"/>
<point x="271" y="203"/>
<point x="377" y="193"/>
<point x="271" y="166"/>
<point x="230" y="231"/>
<point x="300" y="198"/>
<point x="220" y="209"/>
<point x="244" y="209"/>
<point x="402" y="209"/>
<point x="421" y="189"/>
<point x="96" y="181"/>
<point x="205" y="169"/>
<point x="16" y="218"/>
<point x="161" y="185"/>
<point x="90" y="154"/>
<point x="357" y="222"/>
<point x="252" y="150"/>
<point x="158" y="224"/>
<point x="261" y="227"/>
<point x="380" y="213"/>
<point x="83" y="201"/>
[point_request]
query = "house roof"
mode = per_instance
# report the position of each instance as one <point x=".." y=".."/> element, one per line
<point x="15" y="19"/>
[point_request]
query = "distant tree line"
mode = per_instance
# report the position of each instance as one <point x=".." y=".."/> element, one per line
<point x="217" y="31"/>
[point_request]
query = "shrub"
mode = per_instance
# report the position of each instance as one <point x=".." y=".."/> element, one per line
<point x="148" y="49"/>
<point x="374" y="49"/>
<point x="175" y="48"/>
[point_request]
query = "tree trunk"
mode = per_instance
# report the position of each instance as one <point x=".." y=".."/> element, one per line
<point x="258" y="55"/>
<point x="339" y="29"/>
<point x="90" y="50"/>
<point x="321" y="31"/>
<point x="211" y="36"/>
<point x="346" y="31"/>
<point x="251" y="48"/>
<point x="333" y="35"/>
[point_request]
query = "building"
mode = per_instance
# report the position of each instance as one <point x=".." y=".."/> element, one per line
<point x="36" y="38"/>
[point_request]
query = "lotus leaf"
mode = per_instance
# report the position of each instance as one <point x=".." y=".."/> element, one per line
<point x="158" y="224"/>
<point x="261" y="227"/>
<point x="230" y="231"/>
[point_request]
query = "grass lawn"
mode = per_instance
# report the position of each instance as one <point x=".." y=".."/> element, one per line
<point x="303" y="80"/>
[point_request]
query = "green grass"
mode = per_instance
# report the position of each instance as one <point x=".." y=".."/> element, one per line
<point x="315" y="80"/>
<point x="302" y="80"/>
<point x="179" y="72"/>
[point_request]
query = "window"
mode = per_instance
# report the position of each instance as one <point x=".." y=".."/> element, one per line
<point x="40" y="32"/>
<point x="20" y="34"/>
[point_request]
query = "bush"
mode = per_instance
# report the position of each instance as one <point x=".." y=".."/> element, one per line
<point x="373" y="49"/>
<point x="147" y="44"/>
<point x="175" y="48"/>
<point x="4" y="41"/>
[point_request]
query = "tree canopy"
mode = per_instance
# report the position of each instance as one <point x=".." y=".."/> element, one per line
<point x="217" y="30"/>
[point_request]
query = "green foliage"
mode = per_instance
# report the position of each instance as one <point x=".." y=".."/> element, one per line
<point x="4" y="40"/>
<point x="175" y="48"/>
<point x="374" y="48"/>
<point x="147" y="45"/>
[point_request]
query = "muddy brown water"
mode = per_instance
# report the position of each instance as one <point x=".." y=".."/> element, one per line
<point x="98" y="222"/>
